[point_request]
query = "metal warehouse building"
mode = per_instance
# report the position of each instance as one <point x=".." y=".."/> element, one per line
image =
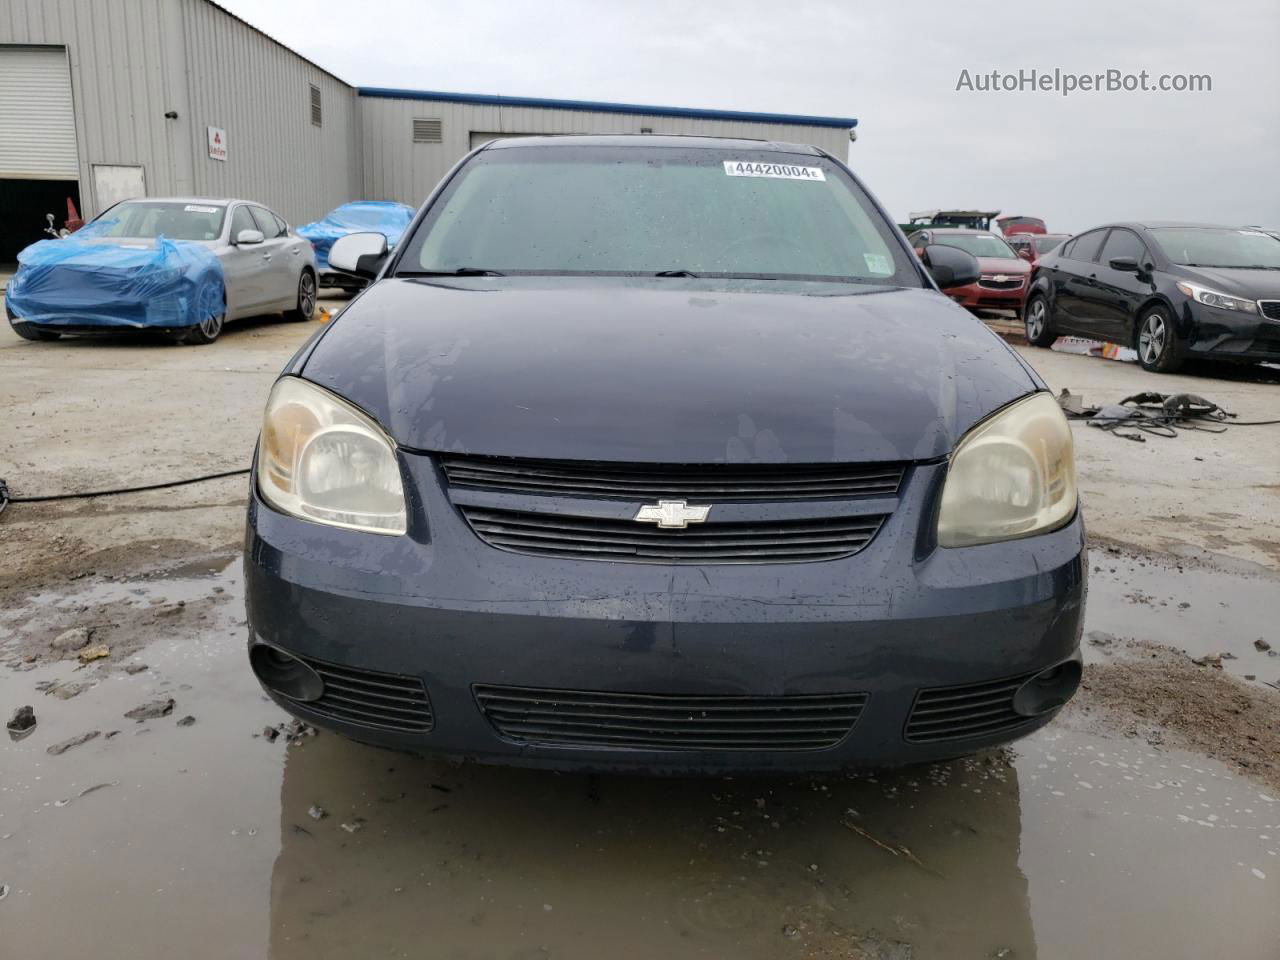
<point x="101" y="100"/>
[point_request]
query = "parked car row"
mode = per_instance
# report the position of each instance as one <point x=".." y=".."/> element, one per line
<point x="184" y="267"/>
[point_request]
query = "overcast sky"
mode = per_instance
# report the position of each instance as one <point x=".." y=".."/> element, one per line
<point x="1076" y="160"/>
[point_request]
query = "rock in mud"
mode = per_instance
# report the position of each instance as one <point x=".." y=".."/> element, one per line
<point x="1262" y="645"/>
<point x="317" y="812"/>
<point x="187" y="721"/>
<point x="135" y="668"/>
<point x="72" y="639"/>
<point x="151" y="710"/>
<point x="21" y="723"/>
<point x="66" y="689"/>
<point x="65" y="745"/>
<point x="270" y="734"/>
<point x="98" y="651"/>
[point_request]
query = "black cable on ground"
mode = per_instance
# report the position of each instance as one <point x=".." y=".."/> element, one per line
<point x="6" y="498"/>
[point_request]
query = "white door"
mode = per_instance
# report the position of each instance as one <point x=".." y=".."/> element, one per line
<point x="37" y="123"/>
<point x="113" y="182"/>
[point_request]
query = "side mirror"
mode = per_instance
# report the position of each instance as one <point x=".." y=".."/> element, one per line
<point x="360" y="254"/>
<point x="1125" y="264"/>
<point x="950" y="267"/>
<point x="247" y="238"/>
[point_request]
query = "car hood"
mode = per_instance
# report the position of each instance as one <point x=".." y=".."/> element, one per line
<point x="1013" y="268"/>
<point x="1250" y="284"/>
<point x="668" y="373"/>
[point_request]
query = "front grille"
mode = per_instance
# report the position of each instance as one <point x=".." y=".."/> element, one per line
<point x="972" y="710"/>
<point x="644" y="721"/>
<point x="388" y="701"/>
<point x="782" y="541"/>
<point x="1270" y="309"/>
<point x="1013" y="283"/>
<point x="717" y="482"/>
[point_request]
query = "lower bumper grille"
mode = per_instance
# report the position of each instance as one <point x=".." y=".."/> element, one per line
<point x="639" y="721"/>
<point x="972" y="710"/>
<point x="1270" y="309"/>
<point x="778" y="541"/>
<point x="990" y="284"/>
<point x="388" y="701"/>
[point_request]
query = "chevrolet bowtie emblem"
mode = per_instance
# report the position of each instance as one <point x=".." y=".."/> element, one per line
<point x="672" y="514"/>
<point x="999" y="278"/>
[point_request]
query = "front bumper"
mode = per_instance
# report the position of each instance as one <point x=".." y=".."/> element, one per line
<point x="455" y="613"/>
<point x="1227" y="335"/>
<point x="977" y="297"/>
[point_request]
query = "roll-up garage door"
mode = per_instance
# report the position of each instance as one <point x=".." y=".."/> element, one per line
<point x="37" y="123"/>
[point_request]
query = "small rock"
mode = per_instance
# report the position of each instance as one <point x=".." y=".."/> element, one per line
<point x="270" y="733"/>
<point x="1262" y="645"/>
<point x="72" y="639"/>
<point x="1209" y="660"/>
<point x="4" y="890"/>
<point x="790" y="932"/>
<point x="65" y="690"/>
<point x="151" y="710"/>
<point x="187" y="721"/>
<point x="353" y="826"/>
<point x="1100" y="638"/>
<point x="65" y="745"/>
<point x="96" y="652"/>
<point x="21" y="723"/>
<point x="135" y="668"/>
<point x="317" y="812"/>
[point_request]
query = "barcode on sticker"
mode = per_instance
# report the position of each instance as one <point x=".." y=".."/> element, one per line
<point x="776" y="171"/>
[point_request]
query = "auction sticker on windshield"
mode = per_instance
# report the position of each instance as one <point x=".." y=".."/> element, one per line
<point x="777" y="171"/>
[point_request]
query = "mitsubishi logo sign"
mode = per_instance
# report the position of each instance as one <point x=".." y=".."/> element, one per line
<point x="217" y="144"/>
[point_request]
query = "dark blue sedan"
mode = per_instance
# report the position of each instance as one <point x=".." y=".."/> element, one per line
<point x="665" y="454"/>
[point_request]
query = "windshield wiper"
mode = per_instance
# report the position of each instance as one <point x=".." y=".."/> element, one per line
<point x="459" y="272"/>
<point x="675" y="273"/>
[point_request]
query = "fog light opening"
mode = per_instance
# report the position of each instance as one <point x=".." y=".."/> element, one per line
<point x="283" y="673"/>
<point x="1048" y="690"/>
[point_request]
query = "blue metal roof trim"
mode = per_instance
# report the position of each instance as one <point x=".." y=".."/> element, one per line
<point x="390" y="93"/>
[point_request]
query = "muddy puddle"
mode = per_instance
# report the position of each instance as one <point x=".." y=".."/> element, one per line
<point x="199" y="840"/>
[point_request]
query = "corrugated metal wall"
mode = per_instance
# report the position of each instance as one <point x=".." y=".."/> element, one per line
<point x="396" y="168"/>
<point x="122" y="71"/>
<point x="134" y="60"/>
<point x="259" y="92"/>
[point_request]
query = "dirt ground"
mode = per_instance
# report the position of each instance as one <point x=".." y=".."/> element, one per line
<point x="1151" y="806"/>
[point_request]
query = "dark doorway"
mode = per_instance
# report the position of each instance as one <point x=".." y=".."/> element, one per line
<point x="23" y="205"/>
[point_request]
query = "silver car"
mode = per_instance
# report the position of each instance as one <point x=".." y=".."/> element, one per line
<point x="265" y="268"/>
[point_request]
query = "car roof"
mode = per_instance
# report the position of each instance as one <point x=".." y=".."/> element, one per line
<point x="955" y="230"/>
<point x="650" y="140"/>
<point x="206" y="201"/>
<point x="1177" y="224"/>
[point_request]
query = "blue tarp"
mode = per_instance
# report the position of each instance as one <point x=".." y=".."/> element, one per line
<point x="363" y="216"/>
<point x="80" y="281"/>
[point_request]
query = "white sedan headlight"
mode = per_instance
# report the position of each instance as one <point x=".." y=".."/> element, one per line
<point x="321" y="459"/>
<point x="1012" y="475"/>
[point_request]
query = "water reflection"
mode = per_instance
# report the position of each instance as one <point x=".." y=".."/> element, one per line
<point x="484" y="862"/>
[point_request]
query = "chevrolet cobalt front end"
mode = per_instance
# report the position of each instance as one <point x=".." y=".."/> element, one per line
<point x="663" y="454"/>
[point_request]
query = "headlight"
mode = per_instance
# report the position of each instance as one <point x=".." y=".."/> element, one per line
<point x="1012" y="475"/>
<point x="321" y="459"/>
<point x="1212" y="298"/>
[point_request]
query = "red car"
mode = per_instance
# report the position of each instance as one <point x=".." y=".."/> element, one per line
<point x="1003" y="283"/>
<point x="1010" y="226"/>
<point x="1032" y="246"/>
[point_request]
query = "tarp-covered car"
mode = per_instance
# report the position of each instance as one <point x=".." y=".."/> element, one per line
<point x="179" y="266"/>
<point x="361" y="216"/>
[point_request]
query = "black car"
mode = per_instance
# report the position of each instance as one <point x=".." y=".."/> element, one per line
<point x="1172" y="291"/>
<point x="667" y="454"/>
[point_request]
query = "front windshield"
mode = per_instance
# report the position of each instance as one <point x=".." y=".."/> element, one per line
<point x="978" y="244"/>
<point x="147" y="220"/>
<point x="1218" y="247"/>
<point x="645" y="211"/>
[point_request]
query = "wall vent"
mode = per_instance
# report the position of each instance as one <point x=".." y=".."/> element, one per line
<point x="427" y="131"/>
<point x="316" y="116"/>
